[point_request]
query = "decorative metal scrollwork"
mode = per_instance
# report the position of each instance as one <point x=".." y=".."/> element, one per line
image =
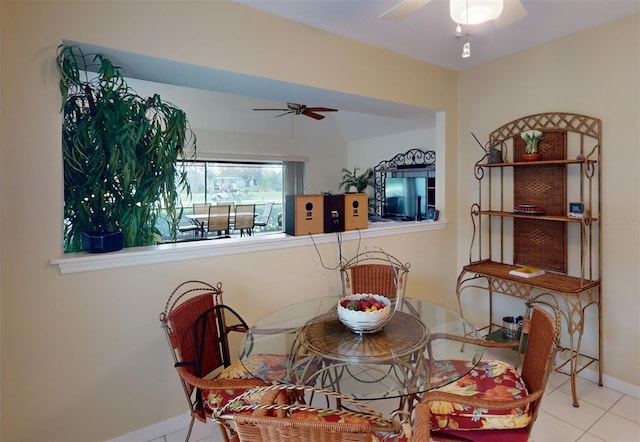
<point x="411" y="159"/>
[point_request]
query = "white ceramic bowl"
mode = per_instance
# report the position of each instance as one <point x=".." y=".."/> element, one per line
<point x="365" y="322"/>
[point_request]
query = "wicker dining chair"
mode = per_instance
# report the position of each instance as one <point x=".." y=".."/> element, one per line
<point x="493" y="402"/>
<point x="197" y="326"/>
<point x="303" y="422"/>
<point x="374" y="272"/>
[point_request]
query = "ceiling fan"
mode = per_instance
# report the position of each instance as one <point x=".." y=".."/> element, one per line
<point x="301" y="109"/>
<point x="513" y="11"/>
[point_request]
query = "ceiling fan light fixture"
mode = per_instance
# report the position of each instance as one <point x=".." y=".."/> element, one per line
<point x="474" y="12"/>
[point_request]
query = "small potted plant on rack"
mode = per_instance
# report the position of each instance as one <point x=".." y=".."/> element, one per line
<point x="531" y="138"/>
<point x="352" y="179"/>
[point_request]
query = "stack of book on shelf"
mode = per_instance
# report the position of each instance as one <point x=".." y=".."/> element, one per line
<point x="527" y="209"/>
<point x="526" y="272"/>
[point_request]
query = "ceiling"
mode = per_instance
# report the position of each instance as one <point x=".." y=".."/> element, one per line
<point x="427" y="34"/>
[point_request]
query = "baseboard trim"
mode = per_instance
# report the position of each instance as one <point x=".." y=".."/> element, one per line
<point x="156" y="430"/>
<point x="612" y="383"/>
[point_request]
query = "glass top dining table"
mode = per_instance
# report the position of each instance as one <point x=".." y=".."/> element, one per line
<point x="420" y="348"/>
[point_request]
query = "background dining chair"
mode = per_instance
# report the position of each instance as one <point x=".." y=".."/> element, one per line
<point x="196" y="226"/>
<point x="245" y="218"/>
<point x="219" y="219"/>
<point x="262" y="220"/>
<point x="493" y="402"/>
<point x="197" y="329"/>
<point x="374" y="272"/>
<point x="351" y="421"/>
<point x="201" y="209"/>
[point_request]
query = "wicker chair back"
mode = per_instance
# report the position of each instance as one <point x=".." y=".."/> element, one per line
<point x="374" y="272"/>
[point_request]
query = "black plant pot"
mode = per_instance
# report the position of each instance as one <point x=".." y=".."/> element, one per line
<point x="101" y="242"/>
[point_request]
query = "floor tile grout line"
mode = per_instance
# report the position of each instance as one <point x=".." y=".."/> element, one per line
<point x="584" y="432"/>
<point x="610" y="410"/>
<point x="606" y="412"/>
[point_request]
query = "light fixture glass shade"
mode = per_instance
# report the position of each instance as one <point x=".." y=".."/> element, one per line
<point x="474" y="12"/>
<point x="466" y="49"/>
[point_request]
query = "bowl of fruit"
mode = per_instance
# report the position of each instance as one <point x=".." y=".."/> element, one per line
<point x="364" y="313"/>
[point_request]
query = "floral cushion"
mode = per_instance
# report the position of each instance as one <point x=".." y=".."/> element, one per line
<point x="274" y="365"/>
<point x="444" y="371"/>
<point x="328" y="416"/>
<point x="263" y="366"/>
<point x="491" y="380"/>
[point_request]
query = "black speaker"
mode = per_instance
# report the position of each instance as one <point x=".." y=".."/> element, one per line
<point x="333" y="213"/>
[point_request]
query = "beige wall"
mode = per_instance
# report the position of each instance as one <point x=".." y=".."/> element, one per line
<point x="594" y="73"/>
<point x="83" y="356"/>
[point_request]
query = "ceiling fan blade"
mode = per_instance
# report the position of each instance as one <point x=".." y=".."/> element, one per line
<point x="513" y="11"/>
<point x="403" y="9"/>
<point x="301" y="109"/>
<point x="321" y="109"/>
<point x="308" y="113"/>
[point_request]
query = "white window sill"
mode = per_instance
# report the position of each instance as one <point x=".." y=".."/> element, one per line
<point x="136" y="256"/>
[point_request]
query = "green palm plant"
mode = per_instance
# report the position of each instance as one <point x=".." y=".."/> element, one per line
<point x="352" y="179"/>
<point x="123" y="155"/>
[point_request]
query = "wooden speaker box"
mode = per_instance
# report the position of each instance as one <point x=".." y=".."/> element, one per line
<point x="304" y="214"/>
<point x="356" y="211"/>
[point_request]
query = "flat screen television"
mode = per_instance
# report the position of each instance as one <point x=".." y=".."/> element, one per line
<point x="401" y="197"/>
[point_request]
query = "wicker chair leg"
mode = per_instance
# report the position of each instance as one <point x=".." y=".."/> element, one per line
<point x="225" y="434"/>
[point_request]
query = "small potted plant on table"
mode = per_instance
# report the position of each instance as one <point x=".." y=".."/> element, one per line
<point x="352" y="179"/>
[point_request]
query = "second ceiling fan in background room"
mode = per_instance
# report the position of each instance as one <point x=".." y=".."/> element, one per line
<point x="465" y="12"/>
<point x="294" y="109"/>
<point x="301" y="109"/>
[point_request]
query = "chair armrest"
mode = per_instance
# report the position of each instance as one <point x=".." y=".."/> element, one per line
<point x="270" y="403"/>
<point x="237" y="328"/>
<point x="222" y="384"/>
<point x="435" y="395"/>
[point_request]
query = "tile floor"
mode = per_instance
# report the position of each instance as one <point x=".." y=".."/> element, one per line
<point x="603" y="415"/>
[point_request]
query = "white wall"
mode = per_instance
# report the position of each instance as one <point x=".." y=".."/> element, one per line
<point x="369" y="152"/>
<point x="594" y="73"/>
<point x="83" y="355"/>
